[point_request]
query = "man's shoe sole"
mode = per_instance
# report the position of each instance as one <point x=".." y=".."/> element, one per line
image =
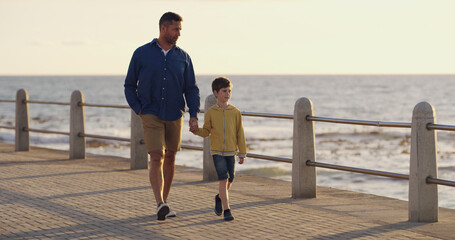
<point x="171" y="214"/>
<point x="162" y="212"/>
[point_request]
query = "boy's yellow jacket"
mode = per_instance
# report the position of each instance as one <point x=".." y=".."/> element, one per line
<point x="225" y="129"/>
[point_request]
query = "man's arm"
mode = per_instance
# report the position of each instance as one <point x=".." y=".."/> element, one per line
<point x="192" y="97"/>
<point x="191" y="90"/>
<point x="131" y="86"/>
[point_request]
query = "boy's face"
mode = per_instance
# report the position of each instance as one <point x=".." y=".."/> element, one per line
<point x="223" y="95"/>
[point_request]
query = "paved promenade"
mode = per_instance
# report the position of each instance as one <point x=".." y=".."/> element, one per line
<point x="43" y="195"/>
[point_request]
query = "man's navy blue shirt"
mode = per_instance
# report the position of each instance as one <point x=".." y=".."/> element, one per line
<point x="156" y="83"/>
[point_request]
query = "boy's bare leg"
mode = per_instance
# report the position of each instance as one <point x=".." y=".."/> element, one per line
<point x="168" y="172"/>
<point x="156" y="174"/>
<point x="224" y="193"/>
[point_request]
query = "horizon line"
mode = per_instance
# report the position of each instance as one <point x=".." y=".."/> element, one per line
<point x="233" y="74"/>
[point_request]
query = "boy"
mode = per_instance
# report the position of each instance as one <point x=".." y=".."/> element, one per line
<point x="223" y="123"/>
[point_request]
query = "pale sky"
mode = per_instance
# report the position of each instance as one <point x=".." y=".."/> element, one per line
<point x="98" y="37"/>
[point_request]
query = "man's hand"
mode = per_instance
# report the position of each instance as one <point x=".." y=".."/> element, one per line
<point x="194" y="126"/>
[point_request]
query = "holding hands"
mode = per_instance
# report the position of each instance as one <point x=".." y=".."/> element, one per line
<point x="194" y="127"/>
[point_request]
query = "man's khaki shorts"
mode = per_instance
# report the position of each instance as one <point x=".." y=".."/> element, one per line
<point x="160" y="134"/>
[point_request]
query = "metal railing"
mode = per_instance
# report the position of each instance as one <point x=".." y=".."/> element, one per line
<point x="304" y="134"/>
<point x="259" y="156"/>
<point x="188" y="147"/>
<point x="441" y="127"/>
<point x="47" y="102"/>
<point x="359" y="122"/>
<point x="378" y="124"/>
<point x="26" y="129"/>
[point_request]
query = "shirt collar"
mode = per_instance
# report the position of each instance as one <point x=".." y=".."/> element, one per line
<point x="155" y="42"/>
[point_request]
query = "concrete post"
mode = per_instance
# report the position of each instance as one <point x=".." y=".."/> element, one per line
<point x="303" y="176"/>
<point x="138" y="149"/>
<point x="423" y="197"/>
<point x="208" y="168"/>
<point x="77" y="126"/>
<point x="22" y="142"/>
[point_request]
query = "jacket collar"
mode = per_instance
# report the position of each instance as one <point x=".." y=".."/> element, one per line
<point x="229" y="107"/>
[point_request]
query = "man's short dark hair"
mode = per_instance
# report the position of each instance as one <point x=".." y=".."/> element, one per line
<point x="220" y="82"/>
<point x="168" y="17"/>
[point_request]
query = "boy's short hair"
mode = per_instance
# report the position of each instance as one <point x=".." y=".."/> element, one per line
<point x="168" y="17"/>
<point x="220" y="82"/>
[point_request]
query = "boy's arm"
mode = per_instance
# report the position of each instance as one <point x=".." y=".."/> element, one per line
<point x="241" y="138"/>
<point x="205" y="130"/>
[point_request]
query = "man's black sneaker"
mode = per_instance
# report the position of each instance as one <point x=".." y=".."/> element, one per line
<point x="218" y="205"/>
<point x="227" y="215"/>
<point x="161" y="211"/>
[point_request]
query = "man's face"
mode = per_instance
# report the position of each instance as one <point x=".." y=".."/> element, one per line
<point x="172" y="32"/>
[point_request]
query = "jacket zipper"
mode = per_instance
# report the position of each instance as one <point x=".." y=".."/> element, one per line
<point x="224" y="132"/>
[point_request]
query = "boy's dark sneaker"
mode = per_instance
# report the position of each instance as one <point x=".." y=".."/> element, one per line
<point x="227" y="215"/>
<point x="161" y="211"/>
<point x="218" y="205"/>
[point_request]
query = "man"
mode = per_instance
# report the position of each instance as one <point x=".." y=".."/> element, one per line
<point x="159" y="76"/>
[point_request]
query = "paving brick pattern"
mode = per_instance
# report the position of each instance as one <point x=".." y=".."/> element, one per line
<point x="43" y="195"/>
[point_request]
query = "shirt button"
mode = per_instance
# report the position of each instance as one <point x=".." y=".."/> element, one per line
<point x="164" y="79"/>
<point x="164" y="69"/>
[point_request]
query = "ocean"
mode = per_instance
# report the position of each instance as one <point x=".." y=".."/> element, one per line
<point x="365" y="97"/>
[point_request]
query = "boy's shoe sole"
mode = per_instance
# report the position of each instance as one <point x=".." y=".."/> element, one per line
<point x="218" y="205"/>
<point x="162" y="211"/>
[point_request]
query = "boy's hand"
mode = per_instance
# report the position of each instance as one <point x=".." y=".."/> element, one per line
<point x="241" y="160"/>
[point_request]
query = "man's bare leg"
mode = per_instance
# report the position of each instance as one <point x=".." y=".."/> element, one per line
<point x="156" y="175"/>
<point x="168" y="172"/>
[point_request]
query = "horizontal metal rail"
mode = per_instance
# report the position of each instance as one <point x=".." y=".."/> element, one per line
<point x="359" y="122"/>
<point x="276" y="159"/>
<point x="8" y="127"/>
<point x="79" y="135"/>
<point x="45" y="131"/>
<point x="192" y="147"/>
<point x="10" y="101"/>
<point x="358" y="170"/>
<point x="104" y="137"/>
<point x="48" y="102"/>
<point x="441" y="127"/>
<point x="268" y="115"/>
<point x="250" y="155"/>
<point x="440" y="181"/>
<point x="103" y="105"/>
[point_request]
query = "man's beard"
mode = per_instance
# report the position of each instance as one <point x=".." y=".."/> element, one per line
<point x="172" y="41"/>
